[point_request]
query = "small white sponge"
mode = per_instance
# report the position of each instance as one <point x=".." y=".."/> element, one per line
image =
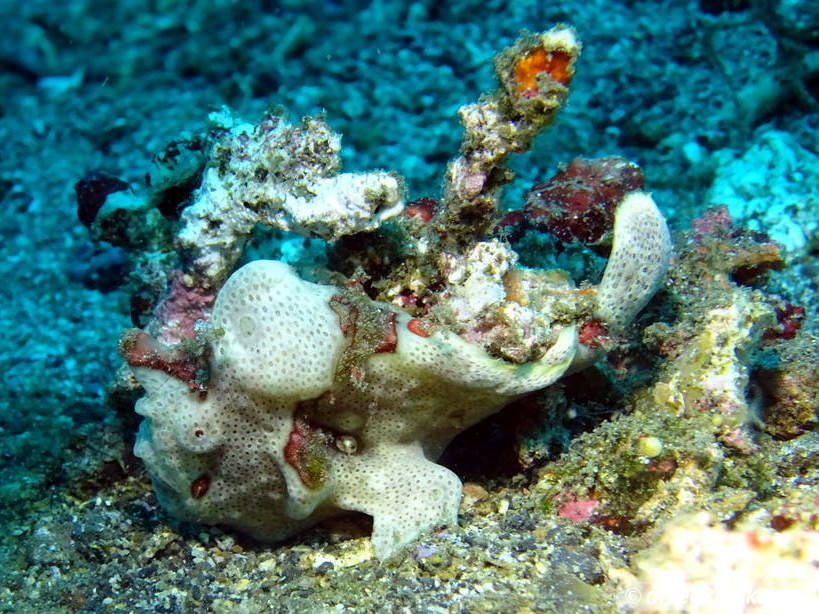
<point x="638" y="262"/>
<point x="296" y="424"/>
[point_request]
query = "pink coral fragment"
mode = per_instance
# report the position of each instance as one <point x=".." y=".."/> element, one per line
<point x="181" y="307"/>
<point x="577" y="510"/>
<point x="714" y="222"/>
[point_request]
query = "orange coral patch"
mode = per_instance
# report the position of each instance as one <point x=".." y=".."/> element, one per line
<point x="537" y="61"/>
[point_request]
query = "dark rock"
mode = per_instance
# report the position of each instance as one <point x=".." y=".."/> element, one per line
<point x="91" y="191"/>
<point x="582" y="565"/>
<point x="102" y="268"/>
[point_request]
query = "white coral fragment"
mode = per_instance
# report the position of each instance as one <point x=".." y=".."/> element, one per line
<point x="338" y="206"/>
<point x="282" y="176"/>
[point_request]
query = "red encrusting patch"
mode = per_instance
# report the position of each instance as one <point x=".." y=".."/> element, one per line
<point x="789" y="319"/>
<point x="139" y="349"/>
<point x="418" y="327"/>
<point x="200" y="486"/>
<point x="593" y="334"/>
<point x="305" y="452"/>
<point x="664" y="468"/>
<point x="407" y="298"/>
<point x="423" y="208"/>
<point x="538" y="61"/>
<point x="780" y="522"/>
<point x="616" y="524"/>
<point x="390" y="336"/>
<point x="578" y="203"/>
